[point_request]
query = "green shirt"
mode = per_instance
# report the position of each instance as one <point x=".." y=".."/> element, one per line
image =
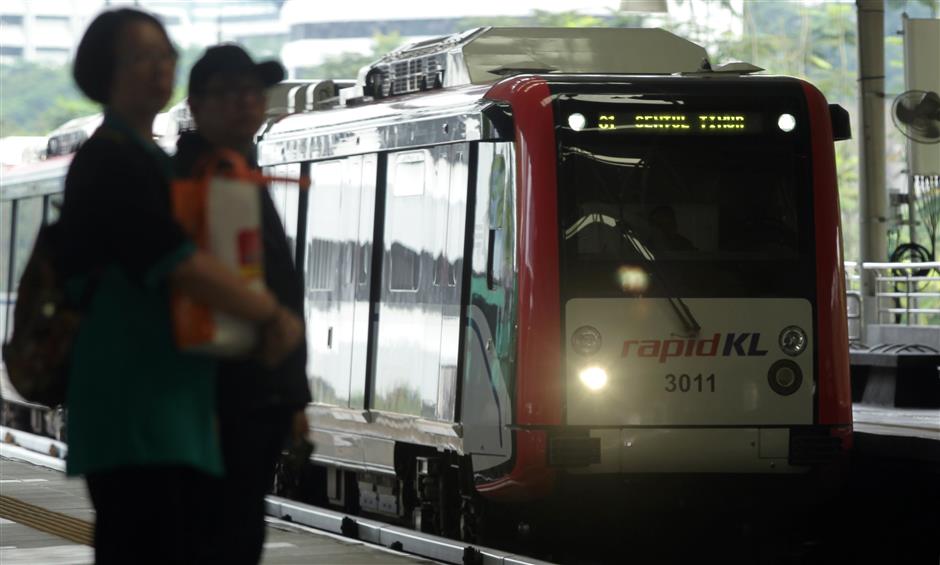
<point x="133" y="399"/>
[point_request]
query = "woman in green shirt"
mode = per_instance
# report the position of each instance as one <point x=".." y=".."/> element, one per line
<point x="140" y="412"/>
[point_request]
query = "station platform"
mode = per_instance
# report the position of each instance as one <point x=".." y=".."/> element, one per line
<point x="897" y="433"/>
<point x="47" y="518"/>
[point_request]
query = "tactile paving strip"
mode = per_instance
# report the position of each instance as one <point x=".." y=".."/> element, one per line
<point x="55" y="523"/>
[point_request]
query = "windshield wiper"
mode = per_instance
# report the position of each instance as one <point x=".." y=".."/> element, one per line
<point x="682" y="310"/>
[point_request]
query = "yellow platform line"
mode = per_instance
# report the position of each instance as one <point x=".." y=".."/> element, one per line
<point x="55" y="523"/>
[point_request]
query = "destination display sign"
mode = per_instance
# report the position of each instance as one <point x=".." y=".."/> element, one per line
<point x="681" y="122"/>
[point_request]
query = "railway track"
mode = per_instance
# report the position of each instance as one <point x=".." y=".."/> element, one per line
<point x="50" y="453"/>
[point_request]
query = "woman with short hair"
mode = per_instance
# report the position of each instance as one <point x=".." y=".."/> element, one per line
<point x="140" y="412"/>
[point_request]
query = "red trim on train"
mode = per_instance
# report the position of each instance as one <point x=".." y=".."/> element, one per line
<point x="538" y="366"/>
<point x="835" y="395"/>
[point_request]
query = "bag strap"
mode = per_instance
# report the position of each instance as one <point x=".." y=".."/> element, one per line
<point x="231" y="164"/>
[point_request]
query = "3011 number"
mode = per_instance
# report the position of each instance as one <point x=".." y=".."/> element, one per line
<point x="687" y="383"/>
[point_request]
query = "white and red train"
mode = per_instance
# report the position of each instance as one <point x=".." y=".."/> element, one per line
<point x="537" y="257"/>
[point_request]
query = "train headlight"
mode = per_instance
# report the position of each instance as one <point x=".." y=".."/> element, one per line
<point x="586" y="340"/>
<point x="785" y="377"/>
<point x="594" y="378"/>
<point x="577" y="121"/>
<point x="633" y="279"/>
<point x="786" y="122"/>
<point x="792" y="340"/>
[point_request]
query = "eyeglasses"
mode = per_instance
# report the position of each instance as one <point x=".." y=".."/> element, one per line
<point x="234" y="93"/>
<point x="150" y="58"/>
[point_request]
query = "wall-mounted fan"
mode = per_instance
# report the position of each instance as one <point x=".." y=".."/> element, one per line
<point x="917" y="114"/>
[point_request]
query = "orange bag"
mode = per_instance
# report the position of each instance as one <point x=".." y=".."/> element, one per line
<point x="221" y="211"/>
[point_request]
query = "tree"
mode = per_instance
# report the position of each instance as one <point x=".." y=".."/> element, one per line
<point x="346" y="65"/>
<point x="53" y="98"/>
<point x="49" y="100"/>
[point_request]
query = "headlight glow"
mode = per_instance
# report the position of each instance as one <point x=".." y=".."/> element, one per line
<point x="786" y="122"/>
<point x="633" y="279"/>
<point x="577" y="121"/>
<point x="594" y="378"/>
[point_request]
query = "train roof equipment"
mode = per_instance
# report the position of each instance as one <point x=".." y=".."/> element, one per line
<point x="484" y="55"/>
<point x="68" y="137"/>
<point x="292" y="96"/>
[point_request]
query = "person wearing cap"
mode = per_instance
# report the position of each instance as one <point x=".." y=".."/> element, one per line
<point x="259" y="408"/>
<point x="141" y="413"/>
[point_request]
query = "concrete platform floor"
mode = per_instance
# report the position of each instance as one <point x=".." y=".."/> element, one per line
<point x="53" y="502"/>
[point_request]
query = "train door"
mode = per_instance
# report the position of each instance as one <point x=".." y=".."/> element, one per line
<point x="362" y="281"/>
<point x="333" y="235"/>
<point x="419" y="310"/>
<point x="486" y="405"/>
<point x="19" y="224"/>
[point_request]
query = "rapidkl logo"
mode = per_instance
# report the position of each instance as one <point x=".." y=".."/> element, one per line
<point x="726" y="345"/>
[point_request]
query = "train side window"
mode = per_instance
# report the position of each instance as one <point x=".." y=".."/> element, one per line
<point x="498" y="168"/>
<point x="6" y="236"/>
<point x="410" y="174"/>
<point x="28" y="220"/>
<point x="405" y="268"/>
<point x="498" y="181"/>
<point x="324" y="232"/>
<point x="365" y="252"/>
<point x="54" y="207"/>
<point x="456" y="216"/>
<point x="403" y="217"/>
<point x="319" y="261"/>
<point x="286" y="196"/>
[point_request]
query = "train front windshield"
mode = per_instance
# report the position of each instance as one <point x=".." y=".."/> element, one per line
<point x="684" y="196"/>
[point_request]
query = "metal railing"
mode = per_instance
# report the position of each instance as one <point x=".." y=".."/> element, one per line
<point x="905" y="294"/>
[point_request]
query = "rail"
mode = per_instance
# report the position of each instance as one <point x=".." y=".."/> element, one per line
<point x="905" y="294"/>
<point x="24" y="446"/>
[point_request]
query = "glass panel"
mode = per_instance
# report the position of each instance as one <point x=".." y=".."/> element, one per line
<point x="360" y="337"/>
<point x="28" y="220"/>
<point x="6" y="233"/>
<point x="407" y="185"/>
<point x="6" y="237"/>
<point x="286" y="196"/>
<point x="425" y="219"/>
<point x="322" y="255"/>
<point x="488" y="367"/>
<point x="332" y="224"/>
<point x="54" y="207"/>
<point x="652" y="205"/>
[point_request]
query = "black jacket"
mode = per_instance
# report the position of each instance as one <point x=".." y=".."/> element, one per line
<point x="117" y="205"/>
<point x="246" y="384"/>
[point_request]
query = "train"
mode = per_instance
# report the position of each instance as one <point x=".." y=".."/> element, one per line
<point x="536" y="259"/>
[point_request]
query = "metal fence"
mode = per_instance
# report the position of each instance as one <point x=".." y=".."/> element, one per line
<point x="905" y="294"/>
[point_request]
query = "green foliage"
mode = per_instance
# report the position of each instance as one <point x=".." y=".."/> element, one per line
<point x="816" y="43"/>
<point x="347" y="65"/>
<point x="35" y="99"/>
<point x="51" y="97"/>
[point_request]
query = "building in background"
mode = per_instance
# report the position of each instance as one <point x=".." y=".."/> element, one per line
<point x="318" y="30"/>
<point x="46" y="31"/>
<point x="201" y="23"/>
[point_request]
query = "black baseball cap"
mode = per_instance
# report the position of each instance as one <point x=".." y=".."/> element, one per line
<point x="231" y="59"/>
